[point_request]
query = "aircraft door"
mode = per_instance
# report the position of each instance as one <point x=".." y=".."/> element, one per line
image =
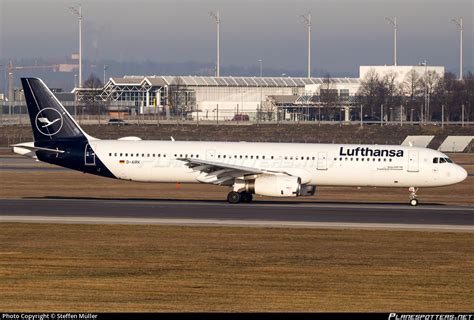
<point x="413" y="165"/>
<point x="322" y="161"/>
<point x="89" y="156"/>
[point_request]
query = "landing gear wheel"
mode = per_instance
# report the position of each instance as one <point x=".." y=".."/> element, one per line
<point x="413" y="199"/>
<point x="246" y="197"/>
<point x="233" y="197"/>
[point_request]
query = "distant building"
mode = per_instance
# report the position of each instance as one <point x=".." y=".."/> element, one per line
<point x="401" y="72"/>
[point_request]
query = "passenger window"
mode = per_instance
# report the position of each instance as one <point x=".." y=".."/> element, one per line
<point x="138" y="154"/>
<point x="120" y="154"/>
<point x="115" y="154"/>
<point x="435" y="160"/>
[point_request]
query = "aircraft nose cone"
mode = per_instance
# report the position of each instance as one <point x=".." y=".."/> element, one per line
<point x="461" y="174"/>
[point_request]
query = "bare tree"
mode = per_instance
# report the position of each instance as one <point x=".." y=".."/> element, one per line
<point x="412" y="89"/>
<point x="429" y="82"/>
<point x="370" y="94"/>
<point x="469" y="96"/>
<point x="328" y="97"/>
<point x="449" y="96"/>
<point x="91" y="96"/>
<point x="180" y="98"/>
<point x="391" y="92"/>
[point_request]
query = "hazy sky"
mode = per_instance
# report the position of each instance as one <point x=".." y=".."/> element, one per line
<point x="345" y="33"/>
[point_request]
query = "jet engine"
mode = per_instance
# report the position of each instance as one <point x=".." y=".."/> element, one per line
<point x="274" y="185"/>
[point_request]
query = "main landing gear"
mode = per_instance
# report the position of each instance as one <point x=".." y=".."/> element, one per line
<point x="413" y="199"/>
<point x="236" y="197"/>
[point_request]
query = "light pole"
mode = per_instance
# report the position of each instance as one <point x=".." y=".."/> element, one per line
<point x="216" y="17"/>
<point x="393" y="22"/>
<point x="459" y="24"/>
<point x="10" y="93"/>
<point x="307" y="22"/>
<point x="105" y="68"/>
<point x="261" y="66"/>
<point x="78" y="13"/>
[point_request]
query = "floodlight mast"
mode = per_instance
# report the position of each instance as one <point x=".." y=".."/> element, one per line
<point x="459" y="24"/>
<point x="216" y="17"/>
<point x="78" y="13"/>
<point x="307" y="22"/>
<point x="393" y="22"/>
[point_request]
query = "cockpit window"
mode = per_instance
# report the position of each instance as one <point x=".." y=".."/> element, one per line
<point x="435" y="160"/>
<point x="448" y="160"/>
<point x="442" y="160"/>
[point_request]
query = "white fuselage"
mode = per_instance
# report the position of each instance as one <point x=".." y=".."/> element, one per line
<point x="315" y="164"/>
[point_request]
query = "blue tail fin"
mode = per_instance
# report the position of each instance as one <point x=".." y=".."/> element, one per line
<point x="49" y="119"/>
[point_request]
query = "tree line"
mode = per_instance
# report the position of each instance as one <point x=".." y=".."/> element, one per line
<point x="422" y="97"/>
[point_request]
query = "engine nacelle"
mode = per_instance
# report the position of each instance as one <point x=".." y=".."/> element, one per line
<point x="306" y="190"/>
<point x="274" y="186"/>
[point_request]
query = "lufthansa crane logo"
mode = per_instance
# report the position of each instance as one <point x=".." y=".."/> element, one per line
<point x="49" y="121"/>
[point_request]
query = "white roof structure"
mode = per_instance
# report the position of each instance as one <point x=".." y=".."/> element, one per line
<point x="455" y="143"/>
<point x="200" y="81"/>
<point x="417" y="141"/>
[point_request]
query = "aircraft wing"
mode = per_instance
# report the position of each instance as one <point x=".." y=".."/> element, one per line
<point x="222" y="173"/>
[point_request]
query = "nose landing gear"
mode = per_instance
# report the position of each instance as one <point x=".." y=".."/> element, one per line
<point x="413" y="199"/>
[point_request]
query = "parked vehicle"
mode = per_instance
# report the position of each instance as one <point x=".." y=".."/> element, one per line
<point x="241" y="117"/>
<point x="117" y="122"/>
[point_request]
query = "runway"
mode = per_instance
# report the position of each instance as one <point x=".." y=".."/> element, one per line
<point x="257" y="214"/>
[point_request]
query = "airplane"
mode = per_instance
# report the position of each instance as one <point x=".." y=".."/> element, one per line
<point x="267" y="169"/>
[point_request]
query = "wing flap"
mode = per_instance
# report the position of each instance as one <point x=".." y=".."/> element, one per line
<point x="219" y="173"/>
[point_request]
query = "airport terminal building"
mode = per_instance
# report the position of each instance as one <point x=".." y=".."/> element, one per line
<point x="212" y="97"/>
<point x="209" y="98"/>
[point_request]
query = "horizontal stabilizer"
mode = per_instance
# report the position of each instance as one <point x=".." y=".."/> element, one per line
<point x="29" y="146"/>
